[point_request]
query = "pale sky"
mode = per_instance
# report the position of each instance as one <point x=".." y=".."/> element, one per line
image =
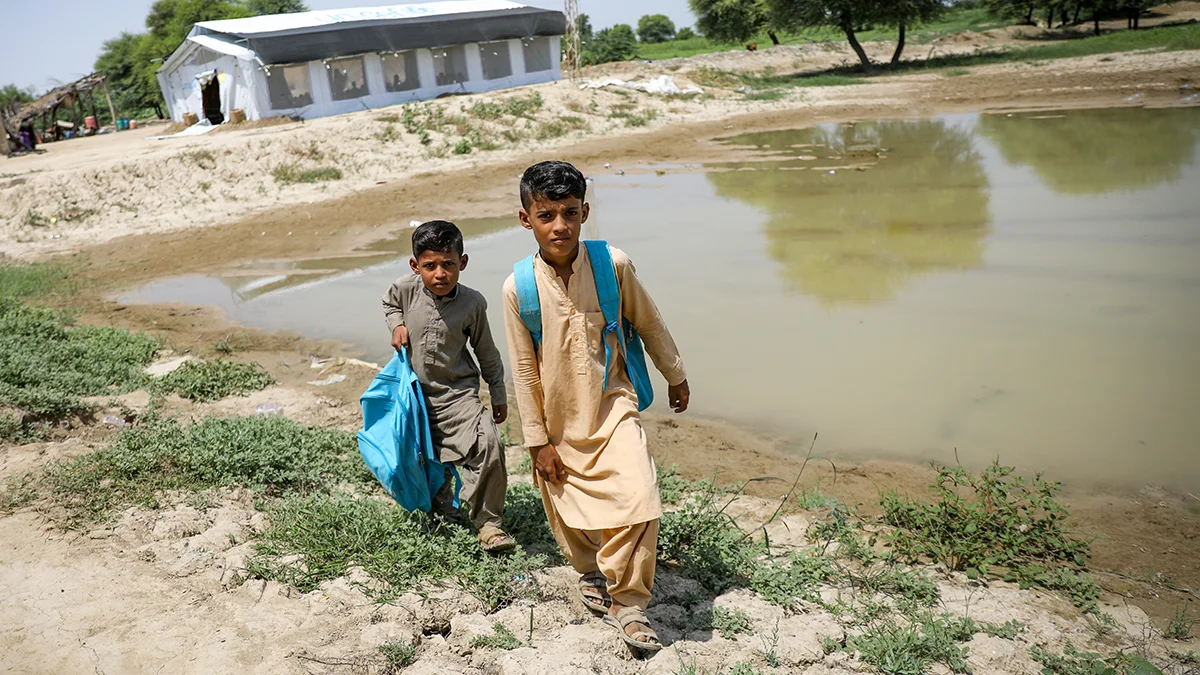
<point x="44" y="57"/>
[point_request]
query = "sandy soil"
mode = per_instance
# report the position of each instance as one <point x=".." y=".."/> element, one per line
<point x="158" y="591"/>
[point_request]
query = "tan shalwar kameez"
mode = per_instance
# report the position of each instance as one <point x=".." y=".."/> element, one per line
<point x="605" y="516"/>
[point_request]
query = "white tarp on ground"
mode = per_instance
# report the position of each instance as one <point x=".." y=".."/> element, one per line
<point x="662" y="85"/>
<point x="201" y="127"/>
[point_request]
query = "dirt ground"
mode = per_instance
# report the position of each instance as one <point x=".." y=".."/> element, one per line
<point x="157" y="591"/>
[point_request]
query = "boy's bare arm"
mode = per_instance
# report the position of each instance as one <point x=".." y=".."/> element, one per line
<point x="490" y="363"/>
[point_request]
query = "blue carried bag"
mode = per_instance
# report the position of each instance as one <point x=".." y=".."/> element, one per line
<point x="395" y="442"/>
<point x="609" y="293"/>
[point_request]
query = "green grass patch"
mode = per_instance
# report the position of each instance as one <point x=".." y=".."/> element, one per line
<point x="34" y="281"/>
<point x="47" y="365"/>
<point x="268" y="453"/>
<point x="1074" y="662"/>
<point x="766" y="95"/>
<point x="318" y="537"/>
<point x="207" y="381"/>
<point x="290" y="174"/>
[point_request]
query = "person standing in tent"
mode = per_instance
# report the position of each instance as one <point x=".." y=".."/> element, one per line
<point x="573" y="317"/>
<point x="434" y="317"/>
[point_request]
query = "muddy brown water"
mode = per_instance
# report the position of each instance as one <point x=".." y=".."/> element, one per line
<point x="1023" y="286"/>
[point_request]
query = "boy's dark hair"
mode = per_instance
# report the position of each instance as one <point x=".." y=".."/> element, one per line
<point x="437" y="235"/>
<point x="552" y="180"/>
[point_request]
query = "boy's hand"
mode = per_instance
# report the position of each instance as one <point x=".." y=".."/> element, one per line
<point x="678" y="395"/>
<point x="400" y="338"/>
<point x="548" y="464"/>
<point x="499" y="413"/>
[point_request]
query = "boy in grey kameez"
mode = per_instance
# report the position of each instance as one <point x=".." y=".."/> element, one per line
<point x="435" y="318"/>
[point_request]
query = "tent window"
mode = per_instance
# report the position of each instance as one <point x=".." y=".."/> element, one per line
<point x="496" y="64"/>
<point x="450" y="65"/>
<point x="400" y="71"/>
<point x="289" y="87"/>
<point x="537" y="54"/>
<point x="347" y="78"/>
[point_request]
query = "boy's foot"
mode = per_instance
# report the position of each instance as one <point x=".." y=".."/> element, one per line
<point x="634" y="626"/>
<point x="593" y="589"/>
<point x="498" y="543"/>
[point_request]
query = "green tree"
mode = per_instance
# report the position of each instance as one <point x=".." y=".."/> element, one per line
<point x="733" y="20"/>
<point x="118" y="63"/>
<point x="844" y="15"/>
<point x="685" y="33"/>
<point x="12" y="95"/>
<point x="262" y="7"/>
<point x="611" y="44"/>
<point x="904" y="13"/>
<point x="583" y="26"/>
<point x="654" y="28"/>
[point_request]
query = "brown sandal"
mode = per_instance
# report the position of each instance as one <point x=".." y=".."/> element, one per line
<point x="593" y="590"/>
<point x="628" y="615"/>
<point x="499" y="543"/>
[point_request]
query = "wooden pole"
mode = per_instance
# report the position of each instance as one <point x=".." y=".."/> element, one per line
<point x="111" y="110"/>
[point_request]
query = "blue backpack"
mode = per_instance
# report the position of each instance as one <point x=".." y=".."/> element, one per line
<point x="395" y="442"/>
<point x="609" y="294"/>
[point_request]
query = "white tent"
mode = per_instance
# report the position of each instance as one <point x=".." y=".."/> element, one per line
<point x="312" y="64"/>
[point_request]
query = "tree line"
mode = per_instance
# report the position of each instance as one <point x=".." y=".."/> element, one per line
<point x="740" y="20"/>
<point x="130" y="60"/>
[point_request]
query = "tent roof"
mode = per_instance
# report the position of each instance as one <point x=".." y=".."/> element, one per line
<point x="300" y="22"/>
<point x="309" y="36"/>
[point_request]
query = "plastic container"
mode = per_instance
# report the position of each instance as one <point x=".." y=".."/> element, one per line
<point x="132" y="124"/>
<point x="90" y="122"/>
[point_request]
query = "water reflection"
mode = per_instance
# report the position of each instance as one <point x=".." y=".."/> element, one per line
<point x="855" y="211"/>
<point x="261" y="278"/>
<point x="1092" y="152"/>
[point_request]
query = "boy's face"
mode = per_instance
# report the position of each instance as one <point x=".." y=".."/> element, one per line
<point x="439" y="270"/>
<point x="556" y="224"/>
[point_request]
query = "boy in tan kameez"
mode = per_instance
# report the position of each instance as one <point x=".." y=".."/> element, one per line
<point x="592" y="463"/>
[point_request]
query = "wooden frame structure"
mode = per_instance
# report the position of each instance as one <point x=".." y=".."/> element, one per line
<point x="76" y="98"/>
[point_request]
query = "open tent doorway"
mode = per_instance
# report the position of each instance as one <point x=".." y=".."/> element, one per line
<point x="210" y="96"/>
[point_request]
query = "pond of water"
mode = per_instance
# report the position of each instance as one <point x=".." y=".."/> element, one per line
<point x="1024" y="286"/>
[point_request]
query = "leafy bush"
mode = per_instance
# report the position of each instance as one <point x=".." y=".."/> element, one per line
<point x="1074" y="662"/>
<point x="1002" y="520"/>
<point x="706" y="543"/>
<point x="731" y="623"/>
<point x="793" y="580"/>
<point x="525" y="520"/>
<point x="269" y="453"/>
<point x="318" y="537"/>
<point x="206" y="381"/>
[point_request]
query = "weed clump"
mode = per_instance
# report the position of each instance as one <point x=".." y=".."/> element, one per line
<point x="289" y="174"/>
<point x="318" y="537"/>
<point x="268" y="453"/>
<point x="207" y="381"/>
<point x="501" y="638"/>
<point x="706" y="544"/>
<point x="32" y="281"/>
<point x="994" y="518"/>
<point x="398" y="654"/>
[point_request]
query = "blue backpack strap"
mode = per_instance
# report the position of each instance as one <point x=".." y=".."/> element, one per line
<point x="528" y="304"/>
<point x="608" y="292"/>
<point x="609" y="295"/>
